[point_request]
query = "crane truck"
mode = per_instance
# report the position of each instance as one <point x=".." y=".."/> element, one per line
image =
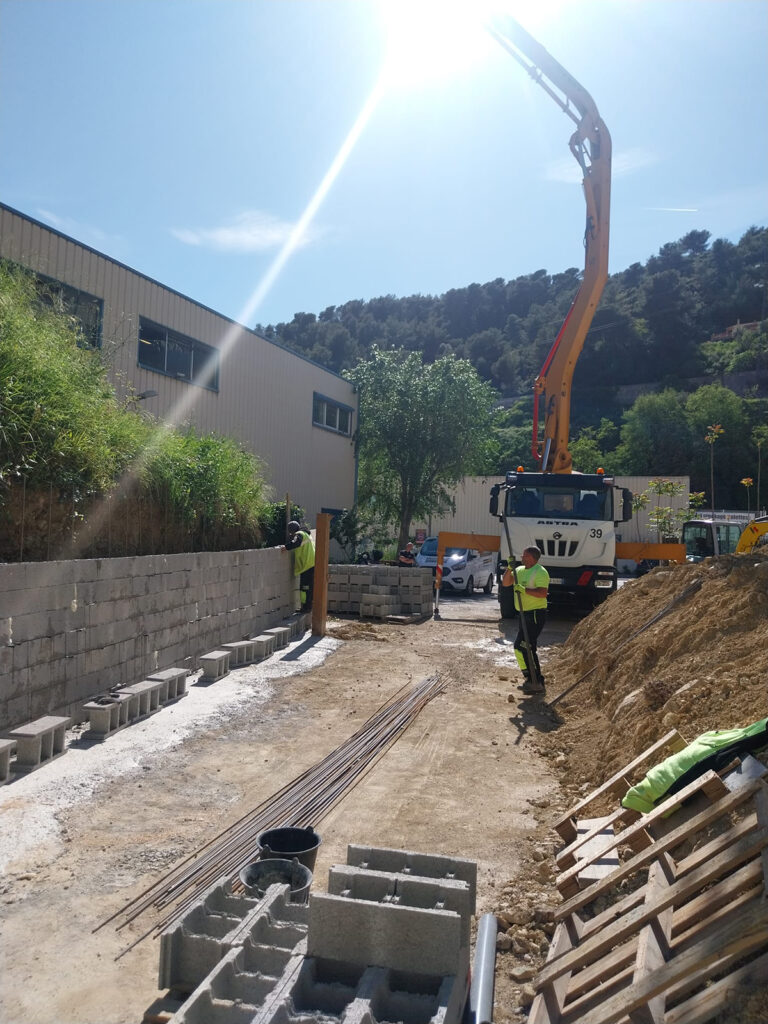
<point x="571" y="517"/>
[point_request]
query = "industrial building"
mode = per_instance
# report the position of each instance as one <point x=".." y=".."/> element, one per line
<point x="186" y="363"/>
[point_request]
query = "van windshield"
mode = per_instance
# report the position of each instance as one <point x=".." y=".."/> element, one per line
<point x="429" y="548"/>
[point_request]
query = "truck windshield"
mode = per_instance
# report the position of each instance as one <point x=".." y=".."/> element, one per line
<point x="571" y="502"/>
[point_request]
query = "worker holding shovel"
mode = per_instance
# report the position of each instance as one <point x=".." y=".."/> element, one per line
<point x="531" y="583"/>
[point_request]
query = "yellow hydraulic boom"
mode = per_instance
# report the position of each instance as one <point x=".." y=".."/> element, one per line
<point x="591" y="146"/>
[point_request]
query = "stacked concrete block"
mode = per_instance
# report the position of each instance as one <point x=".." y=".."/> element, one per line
<point x="65" y="626"/>
<point x="378" y="591"/>
<point x="379" y="946"/>
<point x="39" y="742"/>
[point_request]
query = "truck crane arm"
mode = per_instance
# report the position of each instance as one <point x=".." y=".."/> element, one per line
<point x="591" y="146"/>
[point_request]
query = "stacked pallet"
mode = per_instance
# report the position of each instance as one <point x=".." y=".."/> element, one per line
<point x="665" y="915"/>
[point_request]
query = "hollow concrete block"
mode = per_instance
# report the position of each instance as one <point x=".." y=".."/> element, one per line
<point x="281" y="634"/>
<point x="39" y="741"/>
<point x="384" y="935"/>
<point x="215" y="665"/>
<point x="176" y="679"/>
<point x="7" y="747"/>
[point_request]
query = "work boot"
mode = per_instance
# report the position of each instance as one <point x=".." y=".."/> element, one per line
<point x="531" y="687"/>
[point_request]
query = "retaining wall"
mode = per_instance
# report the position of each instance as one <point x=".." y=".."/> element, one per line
<point x="70" y="630"/>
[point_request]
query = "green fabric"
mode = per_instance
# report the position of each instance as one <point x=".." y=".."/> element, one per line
<point x="304" y="555"/>
<point x="536" y="576"/>
<point x="646" y="794"/>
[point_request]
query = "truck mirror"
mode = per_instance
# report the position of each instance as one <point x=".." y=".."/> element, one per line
<point x="494" y="506"/>
<point x="626" y="495"/>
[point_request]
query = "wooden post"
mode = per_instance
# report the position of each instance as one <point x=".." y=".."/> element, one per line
<point x="320" y="598"/>
<point x="287" y="516"/>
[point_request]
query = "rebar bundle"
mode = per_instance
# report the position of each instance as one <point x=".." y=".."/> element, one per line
<point x="302" y="802"/>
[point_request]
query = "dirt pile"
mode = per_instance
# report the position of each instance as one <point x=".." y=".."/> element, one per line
<point x="701" y="666"/>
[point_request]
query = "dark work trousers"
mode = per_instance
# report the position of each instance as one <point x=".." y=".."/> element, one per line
<point x="534" y="621"/>
<point x="307" y="584"/>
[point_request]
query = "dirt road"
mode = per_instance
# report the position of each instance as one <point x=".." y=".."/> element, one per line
<point x="466" y="779"/>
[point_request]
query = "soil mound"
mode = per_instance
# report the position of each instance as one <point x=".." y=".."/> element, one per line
<point x="703" y="665"/>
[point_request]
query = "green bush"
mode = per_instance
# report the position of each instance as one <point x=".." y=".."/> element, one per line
<point x="62" y="427"/>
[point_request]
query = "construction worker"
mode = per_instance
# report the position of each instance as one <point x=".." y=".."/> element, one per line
<point x="300" y="542"/>
<point x="531" y="583"/>
<point x="407" y="556"/>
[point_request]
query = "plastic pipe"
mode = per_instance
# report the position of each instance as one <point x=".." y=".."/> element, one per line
<point x="481" y="989"/>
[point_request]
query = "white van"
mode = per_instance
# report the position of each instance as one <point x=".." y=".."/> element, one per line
<point x="464" y="569"/>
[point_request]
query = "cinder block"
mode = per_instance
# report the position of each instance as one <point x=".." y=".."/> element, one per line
<point x="39" y="741"/>
<point x="243" y="652"/>
<point x="408" y="862"/>
<point x="385" y="935"/>
<point x="280" y="633"/>
<point x="215" y="665"/>
<point x="7" y="747"/>
<point x="104" y="715"/>
<point x="176" y="678"/>
<point x="264" y="645"/>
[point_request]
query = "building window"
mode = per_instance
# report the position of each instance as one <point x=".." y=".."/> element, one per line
<point x="84" y="310"/>
<point x="331" y="415"/>
<point x="166" y="351"/>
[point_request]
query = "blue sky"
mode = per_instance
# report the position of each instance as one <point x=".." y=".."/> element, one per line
<point x="189" y="138"/>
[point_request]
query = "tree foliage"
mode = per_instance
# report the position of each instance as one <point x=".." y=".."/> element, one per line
<point x="422" y="427"/>
<point x="62" y="428"/>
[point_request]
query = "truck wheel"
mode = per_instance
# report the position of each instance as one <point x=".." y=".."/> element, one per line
<point x="488" y="588"/>
<point x="470" y="587"/>
<point x="507" y="608"/>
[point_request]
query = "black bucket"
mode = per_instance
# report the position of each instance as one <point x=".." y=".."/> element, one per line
<point x="258" y="877"/>
<point x="289" y="842"/>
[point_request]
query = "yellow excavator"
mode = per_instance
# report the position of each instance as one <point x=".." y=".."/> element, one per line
<point x="704" y="537"/>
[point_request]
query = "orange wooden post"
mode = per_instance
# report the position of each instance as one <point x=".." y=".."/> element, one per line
<point x="320" y="598"/>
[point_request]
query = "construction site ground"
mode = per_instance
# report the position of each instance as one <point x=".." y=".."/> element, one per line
<point x="482" y="773"/>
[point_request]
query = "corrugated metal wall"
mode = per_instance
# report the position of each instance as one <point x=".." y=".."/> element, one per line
<point x="265" y="392"/>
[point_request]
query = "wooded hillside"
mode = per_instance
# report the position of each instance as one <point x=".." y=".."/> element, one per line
<point x="657" y="324"/>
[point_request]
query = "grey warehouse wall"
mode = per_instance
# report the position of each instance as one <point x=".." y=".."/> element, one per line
<point x="70" y="630"/>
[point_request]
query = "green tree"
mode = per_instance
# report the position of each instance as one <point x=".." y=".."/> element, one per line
<point x="655" y="437"/>
<point x="714" y="431"/>
<point x="421" y="429"/>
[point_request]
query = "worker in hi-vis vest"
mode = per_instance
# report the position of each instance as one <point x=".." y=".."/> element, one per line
<point x="301" y="544"/>
<point x="531" y="583"/>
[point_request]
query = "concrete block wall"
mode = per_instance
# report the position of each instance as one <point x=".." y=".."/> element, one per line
<point x="375" y="591"/>
<point x="71" y="630"/>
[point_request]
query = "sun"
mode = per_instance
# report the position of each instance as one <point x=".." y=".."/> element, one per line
<point x="428" y="41"/>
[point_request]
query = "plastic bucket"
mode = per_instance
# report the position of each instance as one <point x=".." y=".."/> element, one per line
<point x="258" y="877"/>
<point x="289" y="842"/>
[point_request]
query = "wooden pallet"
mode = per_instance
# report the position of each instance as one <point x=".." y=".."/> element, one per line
<point x="665" y="930"/>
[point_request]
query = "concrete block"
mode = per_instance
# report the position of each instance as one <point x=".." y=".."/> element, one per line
<point x="281" y="634"/>
<point x="39" y="741"/>
<point x="176" y="678"/>
<point x="265" y="645"/>
<point x="215" y="665"/>
<point x="243" y="652"/>
<point x="7" y="747"/>
<point x="404" y="890"/>
<point x="385" y="935"/>
<point x="104" y="715"/>
<point x="408" y="862"/>
<point x="148" y="692"/>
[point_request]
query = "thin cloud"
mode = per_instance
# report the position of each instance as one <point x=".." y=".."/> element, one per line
<point x="566" y="170"/>
<point x="68" y="226"/>
<point x="672" y="209"/>
<point x="251" y="231"/>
